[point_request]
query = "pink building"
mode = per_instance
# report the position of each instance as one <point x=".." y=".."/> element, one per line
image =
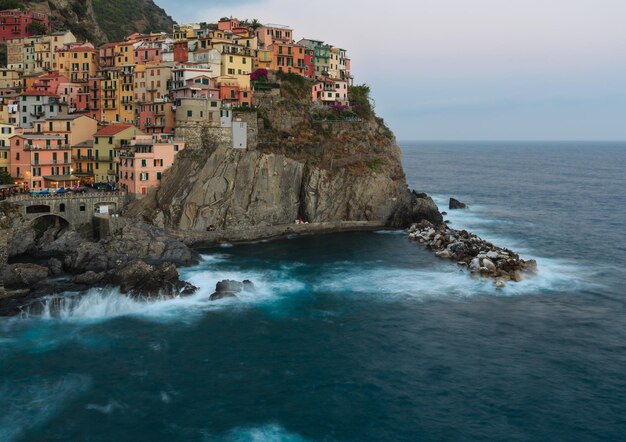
<point x="75" y="95"/>
<point x="330" y="91"/>
<point x="201" y="86"/>
<point x="228" y="24"/>
<point x="49" y="83"/>
<point x="146" y="51"/>
<point x="141" y="167"/>
<point x="41" y="160"/>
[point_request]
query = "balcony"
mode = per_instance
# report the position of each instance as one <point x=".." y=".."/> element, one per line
<point x="83" y="158"/>
<point x="30" y="147"/>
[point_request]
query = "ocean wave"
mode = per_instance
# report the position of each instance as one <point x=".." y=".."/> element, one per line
<point x="265" y="433"/>
<point x="36" y="402"/>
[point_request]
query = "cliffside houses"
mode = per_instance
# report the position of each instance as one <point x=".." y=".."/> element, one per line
<point x="71" y="112"/>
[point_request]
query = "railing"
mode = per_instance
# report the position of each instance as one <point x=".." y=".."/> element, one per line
<point x="86" y="195"/>
<point x="30" y="147"/>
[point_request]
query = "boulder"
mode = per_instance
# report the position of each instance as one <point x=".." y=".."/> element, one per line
<point x="456" y="204"/>
<point x="222" y="295"/>
<point x="489" y="265"/>
<point x="24" y="274"/>
<point x="229" y="289"/>
<point x="139" y="278"/>
<point x="89" y="278"/>
<point x="55" y="266"/>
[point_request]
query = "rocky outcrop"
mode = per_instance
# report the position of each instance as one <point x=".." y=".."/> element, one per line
<point x="102" y="20"/>
<point x="229" y="289"/>
<point x="319" y="172"/>
<point x="140" y="279"/>
<point x="469" y="251"/>
<point x="24" y="275"/>
<point x="456" y="204"/>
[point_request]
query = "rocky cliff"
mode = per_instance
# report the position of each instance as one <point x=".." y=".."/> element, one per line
<point x="104" y="20"/>
<point x="303" y="166"/>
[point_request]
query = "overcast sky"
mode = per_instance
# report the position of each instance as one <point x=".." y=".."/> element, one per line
<point x="468" y="69"/>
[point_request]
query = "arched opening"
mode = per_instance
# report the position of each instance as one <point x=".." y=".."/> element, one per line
<point x="38" y="208"/>
<point x="62" y="207"/>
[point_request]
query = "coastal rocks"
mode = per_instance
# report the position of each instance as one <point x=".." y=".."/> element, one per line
<point x="456" y="204"/>
<point x="229" y="289"/>
<point x="141" y="279"/>
<point x="479" y="256"/>
<point x="24" y="275"/>
<point x="89" y="278"/>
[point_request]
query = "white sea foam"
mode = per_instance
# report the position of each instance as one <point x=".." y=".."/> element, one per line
<point x="265" y="433"/>
<point x="36" y="402"/>
<point x="107" y="408"/>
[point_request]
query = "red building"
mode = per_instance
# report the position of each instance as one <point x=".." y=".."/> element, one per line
<point x="15" y="23"/>
<point x="181" y="51"/>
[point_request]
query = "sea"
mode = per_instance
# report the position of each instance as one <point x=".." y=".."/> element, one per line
<point x="362" y="336"/>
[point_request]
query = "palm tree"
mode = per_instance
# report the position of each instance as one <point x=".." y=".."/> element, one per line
<point x="255" y="24"/>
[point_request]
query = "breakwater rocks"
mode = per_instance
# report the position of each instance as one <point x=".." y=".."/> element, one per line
<point x="480" y="257"/>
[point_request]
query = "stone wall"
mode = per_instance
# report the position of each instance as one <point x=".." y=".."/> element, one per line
<point x="203" y="135"/>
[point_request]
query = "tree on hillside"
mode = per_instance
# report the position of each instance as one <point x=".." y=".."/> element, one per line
<point x="11" y="4"/>
<point x="37" y="28"/>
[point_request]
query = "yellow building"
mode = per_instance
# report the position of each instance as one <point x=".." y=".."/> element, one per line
<point x="106" y="141"/>
<point x="126" y="89"/>
<point x="9" y="78"/>
<point x="236" y="61"/>
<point x="6" y="132"/>
<point x="185" y="31"/>
<point x="78" y="62"/>
<point x="83" y="161"/>
<point x="110" y="96"/>
<point x="125" y="53"/>
<point x="73" y="128"/>
<point x="263" y="60"/>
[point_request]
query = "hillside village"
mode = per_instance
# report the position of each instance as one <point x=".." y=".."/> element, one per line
<point x="73" y="114"/>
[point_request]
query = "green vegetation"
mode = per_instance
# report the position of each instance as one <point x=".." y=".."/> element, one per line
<point x="5" y="178"/>
<point x="11" y="4"/>
<point x="375" y="165"/>
<point x="294" y="84"/>
<point x="360" y="101"/>
<point x="249" y="109"/>
<point x="331" y="115"/>
<point x="37" y="28"/>
<point x="119" y="18"/>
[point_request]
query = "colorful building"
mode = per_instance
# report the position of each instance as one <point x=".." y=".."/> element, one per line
<point x="141" y="167"/>
<point x="330" y="91"/>
<point x="106" y="141"/>
<point x="41" y="161"/>
<point x="16" y="23"/>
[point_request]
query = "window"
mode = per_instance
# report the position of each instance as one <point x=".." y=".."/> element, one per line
<point x="189" y="113"/>
<point x="82" y="207"/>
<point x="143" y="163"/>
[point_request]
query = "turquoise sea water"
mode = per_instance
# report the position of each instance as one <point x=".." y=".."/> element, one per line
<point x="362" y="337"/>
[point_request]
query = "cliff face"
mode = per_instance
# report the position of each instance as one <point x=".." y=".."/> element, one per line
<point x="321" y="171"/>
<point x="104" y="20"/>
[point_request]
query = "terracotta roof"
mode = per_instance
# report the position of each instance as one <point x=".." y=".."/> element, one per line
<point x="39" y="93"/>
<point x="112" y="129"/>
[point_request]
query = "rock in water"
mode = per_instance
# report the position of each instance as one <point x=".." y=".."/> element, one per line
<point x="456" y="204"/>
<point x="229" y="289"/>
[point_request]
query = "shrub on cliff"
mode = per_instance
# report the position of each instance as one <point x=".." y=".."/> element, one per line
<point x="360" y="101"/>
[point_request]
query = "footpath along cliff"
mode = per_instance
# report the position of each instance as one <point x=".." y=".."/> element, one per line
<point x="335" y="169"/>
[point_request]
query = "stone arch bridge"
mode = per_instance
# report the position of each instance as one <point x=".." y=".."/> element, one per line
<point x="76" y="209"/>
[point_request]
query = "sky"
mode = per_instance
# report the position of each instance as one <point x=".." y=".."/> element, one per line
<point x="467" y="69"/>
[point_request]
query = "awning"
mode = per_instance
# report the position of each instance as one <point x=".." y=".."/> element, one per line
<point x="7" y="186"/>
<point x="61" y="178"/>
